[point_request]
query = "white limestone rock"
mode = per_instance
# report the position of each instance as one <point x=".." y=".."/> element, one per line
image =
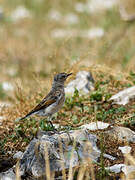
<point x="129" y="171"/>
<point x="124" y="96"/>
<point x="115" y="168"/>
<point x="93" y="126"/>
<point x="18" y="155"/>
<point x="8" y="175"/>
<point x="33" y="159"/>
<point x="125" y="149"/>
<point x="122" y="134"/>
<point x="83" y="82"/>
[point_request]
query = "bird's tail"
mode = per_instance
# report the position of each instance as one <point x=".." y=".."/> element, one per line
<point x="29" y="114"/>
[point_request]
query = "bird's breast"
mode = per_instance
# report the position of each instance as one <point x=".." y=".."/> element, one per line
<point x="53" y="108"/>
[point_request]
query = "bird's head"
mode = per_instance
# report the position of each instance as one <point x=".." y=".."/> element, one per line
<point x="61" y="77"/>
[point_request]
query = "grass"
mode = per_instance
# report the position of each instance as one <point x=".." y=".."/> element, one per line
<point x="77" y="110"/>
<point x="30" y="56"/>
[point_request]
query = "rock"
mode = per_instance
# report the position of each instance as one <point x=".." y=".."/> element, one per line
<point x="95" y="126"/>
<point x="56" y="151"/>
<point x="8" y="175"/>
<point x="124" y="96"/>
<point x="122" y="134"/>
<point x="115" y="168"/>
<point x="34" y="158"/>
<point x="109" y="157"/>
<point x="18" y="155"/>
<point x="65" y="150"/>
<point x="129" y="171"/>
<point x="125" y="149"/>
<point x="84" y="83"/>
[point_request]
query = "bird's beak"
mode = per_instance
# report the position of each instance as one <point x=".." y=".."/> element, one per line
<point x="69" y="74"/>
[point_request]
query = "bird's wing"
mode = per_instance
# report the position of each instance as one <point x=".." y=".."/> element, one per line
<point x="48" y="100"/>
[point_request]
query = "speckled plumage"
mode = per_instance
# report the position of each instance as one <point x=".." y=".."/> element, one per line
<point x="54" y="100"/>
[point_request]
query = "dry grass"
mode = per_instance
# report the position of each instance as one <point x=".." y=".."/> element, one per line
<point x="34" y="56"/>
<point x="113" y="82"/>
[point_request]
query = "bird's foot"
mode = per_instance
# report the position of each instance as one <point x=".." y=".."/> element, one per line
<point x="53" y="128"/>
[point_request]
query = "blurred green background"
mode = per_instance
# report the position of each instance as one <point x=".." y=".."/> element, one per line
<point x="41" y="37"/>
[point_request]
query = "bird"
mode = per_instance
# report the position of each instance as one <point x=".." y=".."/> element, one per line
<point x="53" y="101"/>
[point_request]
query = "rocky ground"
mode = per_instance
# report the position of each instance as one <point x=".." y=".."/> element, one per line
<point x="93" y="39"/>
<point x="100" y="144"/>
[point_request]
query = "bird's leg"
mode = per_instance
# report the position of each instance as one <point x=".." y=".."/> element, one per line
<point x="50" y="118"/>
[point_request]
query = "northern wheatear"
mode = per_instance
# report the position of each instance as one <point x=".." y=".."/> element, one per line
<point x="53" y="101"/>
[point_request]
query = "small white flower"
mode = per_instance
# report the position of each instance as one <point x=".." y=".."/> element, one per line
<point x="95" y="32"/>
<point x="20" y="13"/>
<point x="1" y="119"/>
<point x="71" y="19"/>
<point x="4" y="105"/>
<point x="12" y="71"/>
<point x="99" y="5"/>
<point x="61" y="33"/>
<point x="92" y="33"/>
<point x="54" y="15"/>
<point x="80" y="7"/>
<point x="1" y="12"/>
<point x="7" y="86"/>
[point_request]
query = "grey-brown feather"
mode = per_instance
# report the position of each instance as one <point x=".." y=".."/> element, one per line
<point x="54" y="100"/>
